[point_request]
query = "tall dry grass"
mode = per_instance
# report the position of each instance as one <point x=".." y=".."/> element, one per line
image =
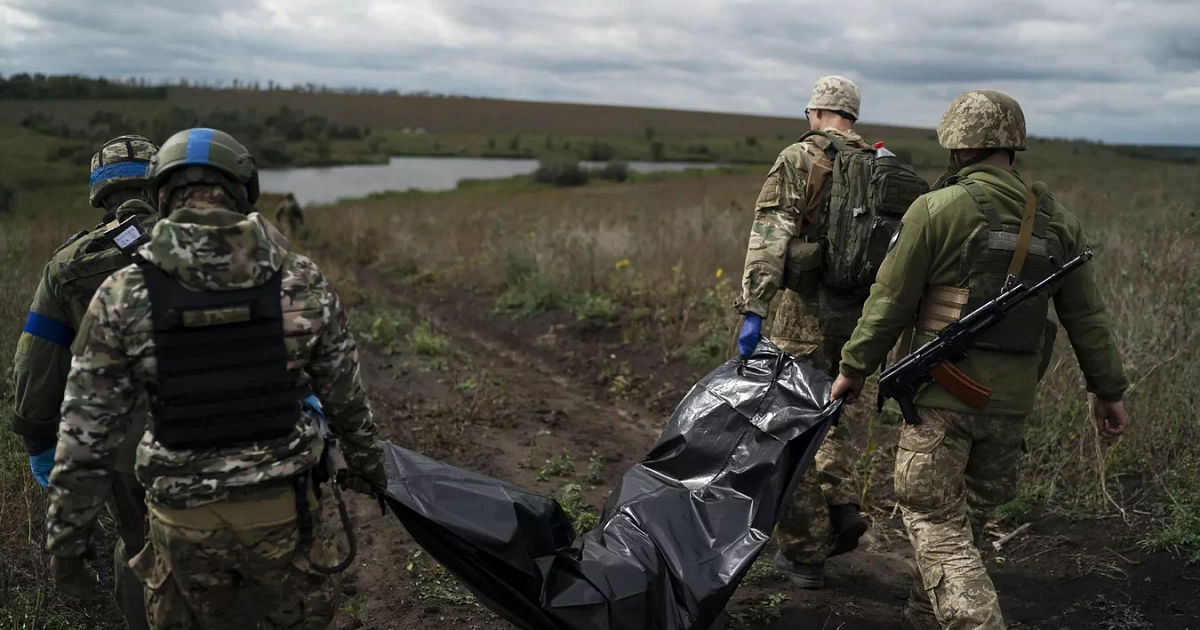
<point x="676" y="249"/>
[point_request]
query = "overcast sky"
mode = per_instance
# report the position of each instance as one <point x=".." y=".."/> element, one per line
<point x="1116" y="70"/>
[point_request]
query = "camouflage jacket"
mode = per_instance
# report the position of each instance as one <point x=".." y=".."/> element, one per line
<point x="43" y="354"/>
<point x="210" y="249"/>
<point x="787" y="207"/>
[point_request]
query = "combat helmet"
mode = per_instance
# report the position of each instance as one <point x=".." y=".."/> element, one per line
<point x="836" y="93"/>
<point x="982" y="119"/>
<point x="209" y="156"/>
<point x="120" y="164"/>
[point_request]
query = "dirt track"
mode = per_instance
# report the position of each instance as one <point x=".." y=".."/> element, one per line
<point x="512" y="393"/>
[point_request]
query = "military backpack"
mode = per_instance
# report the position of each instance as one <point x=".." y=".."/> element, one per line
<point x="865" y="197"/>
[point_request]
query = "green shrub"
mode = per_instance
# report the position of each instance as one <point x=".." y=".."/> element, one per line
<point x="614" y="171"/>
<point x="560" y="172"/>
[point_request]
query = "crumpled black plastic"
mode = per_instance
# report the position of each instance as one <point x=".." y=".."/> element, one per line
<point x="678" y="533"/>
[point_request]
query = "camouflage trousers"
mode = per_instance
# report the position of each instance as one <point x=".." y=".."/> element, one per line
<point x="951" y="471"/>
<point x="235" y="566"/>
<point x="806" y="330"/>
<point x="127" y="506"/>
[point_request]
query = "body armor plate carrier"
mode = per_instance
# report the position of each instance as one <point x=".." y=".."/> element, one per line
<point x="223" y="379"/>
<point x="997" y="250"/>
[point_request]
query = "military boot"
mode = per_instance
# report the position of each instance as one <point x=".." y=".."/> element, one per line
<point x="848" y="527"/>
<point x="918" y="610"/>
<point x="811" y="576"/>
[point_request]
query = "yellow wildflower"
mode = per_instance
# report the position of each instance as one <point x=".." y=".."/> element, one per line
<point x="623" y="263"/>
<point x="720" y="272"/>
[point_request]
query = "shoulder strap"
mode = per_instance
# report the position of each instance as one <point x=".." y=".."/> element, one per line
<point x="1018" y="259"/>
<point x="983" y="201"/>
<point x="835" y="143"/>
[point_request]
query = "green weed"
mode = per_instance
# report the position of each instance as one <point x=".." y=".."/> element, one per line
<point x="595" y="469"/>
<point x="426" y="341"/>
<point x="353" y="607"/>
<point x="383" y="330"/>
<point x="761" y="572"/>
<point x="765" y="610"/>
<point x="531" y="295"/>
<point x="1179" y="533"/>
<point x="1014" y="512"/>
<point x="585" y="306"/>
<point x="576" y="507"/>
<point x="560" y="466"/>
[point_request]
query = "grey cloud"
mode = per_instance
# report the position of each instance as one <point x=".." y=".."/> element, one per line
<point x="1079" y="68"/>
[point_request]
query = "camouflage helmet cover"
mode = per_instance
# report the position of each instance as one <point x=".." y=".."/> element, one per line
<point x="982" y="119"/>
<point x="836" y="93"/>
<point x="121" y="163"/>
<point x="209" y="149"/>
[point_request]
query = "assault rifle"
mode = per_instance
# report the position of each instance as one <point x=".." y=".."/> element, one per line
<point x="935" y="361"/>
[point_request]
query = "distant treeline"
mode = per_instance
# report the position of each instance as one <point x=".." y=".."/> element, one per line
<point x="78" y="87"/>
<point x="33" y="87"/>
<point x="266" y="135"/>
<point x="1180" y="155"/>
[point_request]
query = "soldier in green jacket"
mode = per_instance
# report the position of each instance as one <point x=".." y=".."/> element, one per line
<point x="954" y="250"/>
<point x="43" y="355"/>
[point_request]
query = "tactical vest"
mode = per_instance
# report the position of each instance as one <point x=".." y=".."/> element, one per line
<point x="223" y="379"/>
<point x="989" y="255"/>
<point x="88" y="258"/>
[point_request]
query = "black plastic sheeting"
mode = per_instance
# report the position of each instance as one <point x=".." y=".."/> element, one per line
<point x="678" y="533"/>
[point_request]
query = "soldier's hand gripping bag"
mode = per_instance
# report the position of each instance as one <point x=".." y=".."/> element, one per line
<point x="678" y="533"/>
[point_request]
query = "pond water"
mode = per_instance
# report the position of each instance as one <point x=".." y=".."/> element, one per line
<point x="328" y="184"/>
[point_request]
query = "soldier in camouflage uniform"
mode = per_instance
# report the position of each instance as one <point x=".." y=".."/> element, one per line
<point x="810" y="322"/>
<point x="43" y="355"/>
<point x="227" y="331"/>
<point x="288" y="211"/>
<point x="956" y="247"/>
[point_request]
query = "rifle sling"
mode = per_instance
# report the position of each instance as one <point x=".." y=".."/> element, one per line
<point x="1018" y="259"/>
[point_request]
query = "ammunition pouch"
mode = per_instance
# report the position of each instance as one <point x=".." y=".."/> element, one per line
<point x="942" y="305"/>
<point x="801" y="268"/>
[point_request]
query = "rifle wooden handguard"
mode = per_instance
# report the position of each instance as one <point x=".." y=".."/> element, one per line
<point x="960" y="385"/>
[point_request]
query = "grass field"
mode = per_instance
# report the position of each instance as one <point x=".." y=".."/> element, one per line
<point x="664" y="261"/>
<point x="653" y="264"/>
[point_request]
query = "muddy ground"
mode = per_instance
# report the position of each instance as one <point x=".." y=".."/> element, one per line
<point x="509" y="394"/>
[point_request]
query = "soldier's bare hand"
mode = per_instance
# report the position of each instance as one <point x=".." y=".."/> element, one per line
<point x="1111" y="418"/>
<point x="845" y="386"/>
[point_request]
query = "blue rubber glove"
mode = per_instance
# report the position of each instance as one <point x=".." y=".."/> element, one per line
<point x="41" y="465"/>
<point x="751" y="334"/>
<point x="313" y="405"/>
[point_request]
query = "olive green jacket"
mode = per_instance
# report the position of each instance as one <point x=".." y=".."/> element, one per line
<point x="43" y="356"/>
<point x="928" y="252"/>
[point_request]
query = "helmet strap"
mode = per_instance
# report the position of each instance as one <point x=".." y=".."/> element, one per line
<point x="959" y="162"/>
